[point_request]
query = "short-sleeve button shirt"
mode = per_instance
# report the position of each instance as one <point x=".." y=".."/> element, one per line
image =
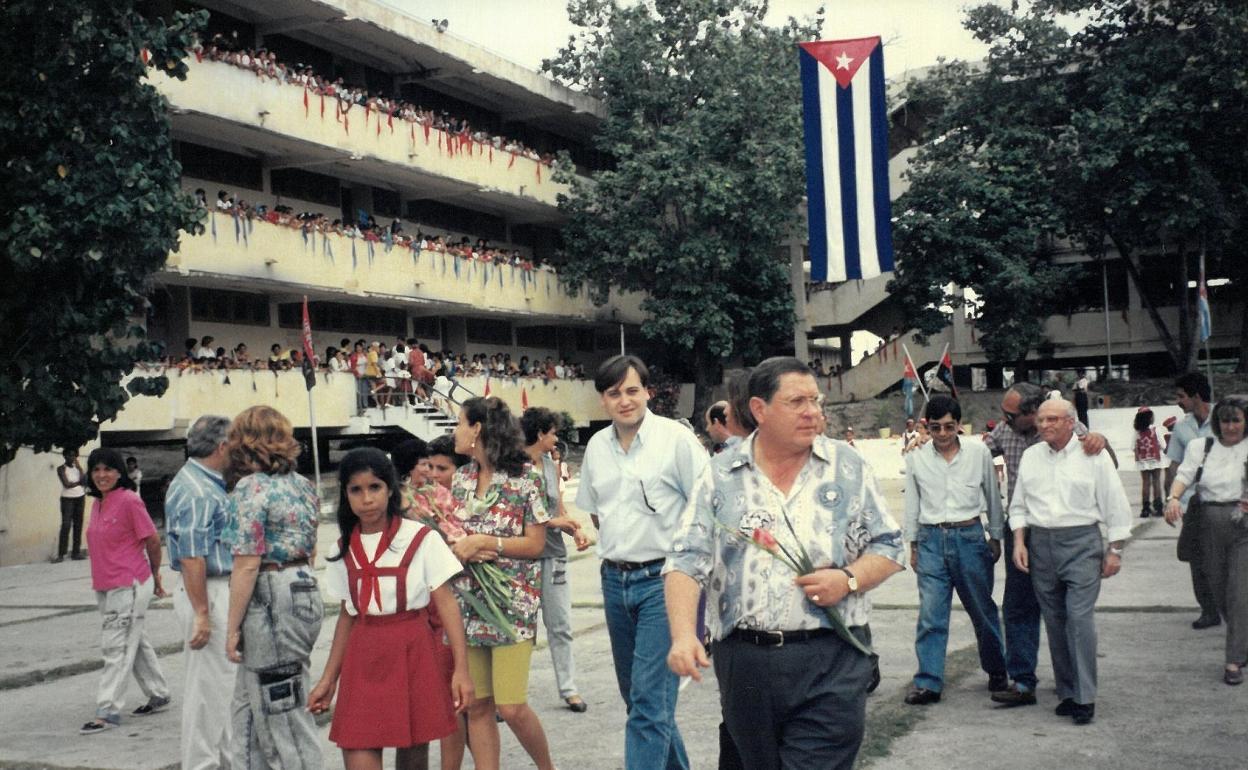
<point x="273" y="516"/>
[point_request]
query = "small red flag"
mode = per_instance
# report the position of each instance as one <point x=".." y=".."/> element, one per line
<point x="322" y="106"/>
<point x="305" y="102"/>
<point x="511" y="162"/>
<point x="524" y="398"/>
<point x="487" y="386"/>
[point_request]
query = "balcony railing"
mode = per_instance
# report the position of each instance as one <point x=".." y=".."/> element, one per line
<point x="269" y="253"/>
<point x="236" y="95"/>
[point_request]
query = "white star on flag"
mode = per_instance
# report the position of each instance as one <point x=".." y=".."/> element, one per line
<point x="842" y="61"/>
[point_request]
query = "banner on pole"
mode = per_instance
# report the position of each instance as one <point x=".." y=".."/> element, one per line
<point x="846" y="127"/>
<point x="1202" y="305"/>
<point x="309" y="353"/>
<point x="944" y="372"/>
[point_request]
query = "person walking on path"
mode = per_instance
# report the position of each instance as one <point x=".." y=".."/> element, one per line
<point x="1019" y="608"/>
<point x="1217" y="468"/>
<point x="195" y="520"/>
<point x="384" y="662"/>
<point x="1192" y="393"/>
<point x="1082" y="392"/>
<point x="637" y="477"/>
<point x="73" y="501"/>
<point x="275" y="604"/>
<point x="949" y="484"/>
<point x="793" y="691"/>
<point x="540" y="428"/>
<point x="125" y="573"/>
<point x="503" y="511"/>
<point x="1148" y="461"/>
<point x="1063" y="499"/>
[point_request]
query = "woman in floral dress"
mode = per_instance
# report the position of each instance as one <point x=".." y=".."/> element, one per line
<point x="503" y="511"/>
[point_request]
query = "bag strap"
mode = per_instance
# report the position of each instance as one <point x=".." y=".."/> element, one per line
<point x="1201" y="470"/>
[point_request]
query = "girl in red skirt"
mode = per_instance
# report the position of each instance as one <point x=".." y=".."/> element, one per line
<point x="384" y="648"/>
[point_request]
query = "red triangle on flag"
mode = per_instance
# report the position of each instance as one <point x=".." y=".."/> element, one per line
<point x="524" y="398"/>
<point x="843" y="58"/>
<point x="909" y="373"/>
<point x="487" y="386"/>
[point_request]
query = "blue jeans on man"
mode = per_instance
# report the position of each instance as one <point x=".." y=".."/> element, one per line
<point x="640" y="639"/>
<point x="1021" y="613"/>
<point x="956" y="559"/>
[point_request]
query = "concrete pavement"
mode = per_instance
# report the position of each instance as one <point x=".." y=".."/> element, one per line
<point x="1162" y="703"/>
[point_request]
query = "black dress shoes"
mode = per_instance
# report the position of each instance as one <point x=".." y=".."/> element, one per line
<point x="1066" y="708"/>
<point x="921" y="696"/>
<point x="1206" y="621"/>
<point x="1015" y="696"/>
<point x="998" y="683"/>
<point x="1082" y="713"/>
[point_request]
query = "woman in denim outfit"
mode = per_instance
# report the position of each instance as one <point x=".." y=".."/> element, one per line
<point x="275" y="605"/>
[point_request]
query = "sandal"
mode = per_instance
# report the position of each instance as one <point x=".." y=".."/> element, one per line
<point x="96" y="726"/>
<point x="578" y="706"/>
<point x="1233" y="676"/>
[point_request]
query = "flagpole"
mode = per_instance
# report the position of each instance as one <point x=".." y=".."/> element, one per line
<point x="1202" y="293"/>
<point x="940" y="361"/>
<point x="316" y="450"/>
<point x="917" y="378"/>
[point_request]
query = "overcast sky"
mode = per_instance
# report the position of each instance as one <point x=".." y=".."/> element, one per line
<point x="915" y="32"/>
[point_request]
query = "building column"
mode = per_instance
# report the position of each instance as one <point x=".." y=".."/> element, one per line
<point x="847" y="351"/>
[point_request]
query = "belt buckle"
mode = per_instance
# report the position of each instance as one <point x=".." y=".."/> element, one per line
<point x="779" y="635"/>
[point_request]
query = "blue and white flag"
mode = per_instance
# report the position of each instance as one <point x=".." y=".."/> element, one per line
<point x="846" y="122"/>
<point x="1202" y="305"/>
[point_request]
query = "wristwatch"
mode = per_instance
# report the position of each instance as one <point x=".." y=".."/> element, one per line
<point x="853" y="581"/>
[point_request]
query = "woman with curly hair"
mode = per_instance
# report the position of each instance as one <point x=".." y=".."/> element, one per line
<point x="503" y="510"/>
<point x="275" y="605"/>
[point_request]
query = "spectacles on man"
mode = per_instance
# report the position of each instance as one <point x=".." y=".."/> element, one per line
<point x="799" y="403"/>
<point x="942" y="427"/>
<point x="1010" y="417"/>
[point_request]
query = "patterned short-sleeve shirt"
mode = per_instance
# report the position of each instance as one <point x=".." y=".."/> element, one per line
<point x="511" y="503"/>
<point x="273" y="516"/>
<point x="834" y="510"/>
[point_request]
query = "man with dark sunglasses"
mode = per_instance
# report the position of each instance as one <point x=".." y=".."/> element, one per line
<point x="1019" y="608"/>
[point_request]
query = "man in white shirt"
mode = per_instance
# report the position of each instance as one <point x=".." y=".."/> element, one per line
<point x="949" y="483"/>
<point x="1193" y="395"/>
<point x="636" y="479"/>
<point x="1062" y="499"/>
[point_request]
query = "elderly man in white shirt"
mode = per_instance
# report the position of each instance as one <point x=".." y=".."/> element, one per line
<point x="949" y="484"/>
<point x="1063" y="498"/>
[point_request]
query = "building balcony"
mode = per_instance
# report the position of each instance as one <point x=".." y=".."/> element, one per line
<point x="258" y="255"/>
<point x="220" y="104"/>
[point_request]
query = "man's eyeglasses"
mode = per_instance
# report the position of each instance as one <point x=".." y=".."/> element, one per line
<point x="1010" y="417"/>
<point x="941" y="427"/>
<point x="798" y="403"/>
<point x="645" y="498"/>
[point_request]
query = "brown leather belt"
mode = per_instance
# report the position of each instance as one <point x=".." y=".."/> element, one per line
<point x="955" y="524"/>
<point x="271" y="566"/>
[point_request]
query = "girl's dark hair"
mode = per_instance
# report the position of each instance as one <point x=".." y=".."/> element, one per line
<point x="500" y="432"/>
<point x="537" y="420"/>
<point x="1143" y="419"/>
<point x="112" y="459"/>
<point x="356" y="461"/>
<point x="445" y="446"/>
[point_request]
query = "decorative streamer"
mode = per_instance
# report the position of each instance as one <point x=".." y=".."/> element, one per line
<point x="212" y="222"/>
<point x="354" y="260"/>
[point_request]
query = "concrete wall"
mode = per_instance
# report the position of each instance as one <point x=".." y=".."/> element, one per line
<point x="237" y="95"/>
<point x="30" y="513"/>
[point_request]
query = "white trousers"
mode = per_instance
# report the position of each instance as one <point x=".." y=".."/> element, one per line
<point x="126" y="649"/>
<point x="209" y="681"/>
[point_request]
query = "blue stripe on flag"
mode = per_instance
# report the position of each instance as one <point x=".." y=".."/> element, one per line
<point x="849" y="181"/>
<point x="879" y="153"/>
<point x="815" y="204"/>
<point x="1206" y="318"/>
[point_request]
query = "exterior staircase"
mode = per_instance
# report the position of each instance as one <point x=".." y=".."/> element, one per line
<point x="883" y="369"/>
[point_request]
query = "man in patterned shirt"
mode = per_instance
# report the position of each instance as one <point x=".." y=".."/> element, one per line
<point x="1019" y="608"/>
<point x="195" y="518"/>
<point x="793" y="693"/>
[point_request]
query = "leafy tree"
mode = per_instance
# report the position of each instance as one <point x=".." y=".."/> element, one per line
<point x="1131" y="135"/>
<point x="703" y="128"/>
<point x="90" y="187"/>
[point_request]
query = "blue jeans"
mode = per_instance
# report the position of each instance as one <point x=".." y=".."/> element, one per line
<point x="955" y="560"/>
<point x="640" y="640"/>
<point x="1021" y="613"/>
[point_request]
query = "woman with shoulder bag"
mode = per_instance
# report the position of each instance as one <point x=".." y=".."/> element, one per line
<point x="1217" y="468"/>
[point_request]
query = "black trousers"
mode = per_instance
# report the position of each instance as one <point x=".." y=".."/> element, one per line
<point x="797" y="706"/>
<point x="71" y="518"/>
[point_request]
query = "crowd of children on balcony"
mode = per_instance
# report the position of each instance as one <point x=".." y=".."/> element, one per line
<point x="265" y="65"/>
<point x="367" y="229"/>
<point x="405" y="359"/>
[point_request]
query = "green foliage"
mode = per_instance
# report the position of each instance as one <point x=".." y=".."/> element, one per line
<point x="91" y="191"/>
<point x="1130" y="133"/>
<point x="703" y="128"/>
<point x="567" y="431"/>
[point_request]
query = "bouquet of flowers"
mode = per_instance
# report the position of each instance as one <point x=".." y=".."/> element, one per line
<point x="435" y="507"/>
<point x="798" y="560"/>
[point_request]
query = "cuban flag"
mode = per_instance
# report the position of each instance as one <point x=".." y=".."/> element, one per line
<point x="846" y="122"/>
<point x="1202" y="306"/>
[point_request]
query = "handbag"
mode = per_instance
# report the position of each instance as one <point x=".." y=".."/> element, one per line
<point x="1188" y="547"/>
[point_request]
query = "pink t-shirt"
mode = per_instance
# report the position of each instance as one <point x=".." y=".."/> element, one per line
<point x="119" y="525"/>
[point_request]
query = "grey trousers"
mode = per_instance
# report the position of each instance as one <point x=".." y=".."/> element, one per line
<point x="1225" y="551"/>
<point x="271" y="724"/>
<point x="1066" y="574"/>
<point x="126" y="648"/>
<point x="557" y="618"/>
<point x="797" y="706"/>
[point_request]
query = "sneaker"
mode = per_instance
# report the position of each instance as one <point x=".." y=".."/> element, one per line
<point x="1015" y="696"/>
<point x="96" y="726"/>
<point x="151" y="707"/>
<point x="921" y="696"/>
<point x="58" y="559"/>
